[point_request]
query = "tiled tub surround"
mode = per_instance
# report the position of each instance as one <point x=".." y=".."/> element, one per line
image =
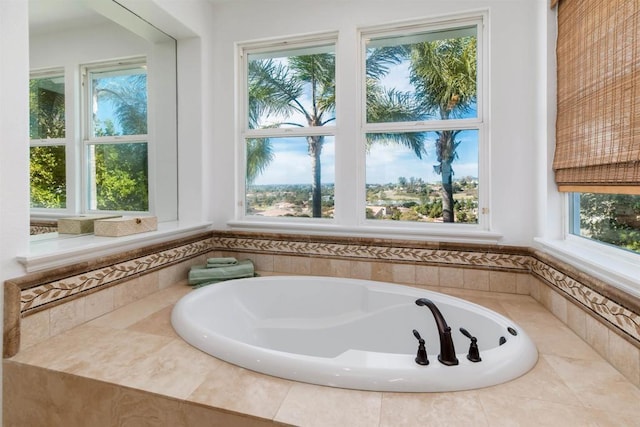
<point x="128" y="367"/>
<point x="42" y="305"/>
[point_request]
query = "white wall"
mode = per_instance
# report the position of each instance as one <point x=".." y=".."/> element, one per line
<point x="513" y="36"/>
<point x="14" y="143"/>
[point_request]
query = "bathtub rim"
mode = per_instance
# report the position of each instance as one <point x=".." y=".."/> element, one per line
<point x="354" y="369"/>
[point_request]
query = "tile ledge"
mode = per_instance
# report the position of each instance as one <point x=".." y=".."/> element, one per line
<point x="619" y="269"/>
<point x="461" y="233"/>
<point x="55" y="253"/>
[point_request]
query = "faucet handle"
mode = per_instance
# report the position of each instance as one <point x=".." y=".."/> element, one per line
<point x="474" y="353"/>
<point x="421" y="357"/>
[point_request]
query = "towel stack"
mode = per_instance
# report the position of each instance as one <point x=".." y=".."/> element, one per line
<point x="219" y="269"/>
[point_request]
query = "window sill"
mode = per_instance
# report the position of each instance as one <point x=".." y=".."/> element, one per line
<point x="455" y="234"/>
<point x="614" y="266"/>
<point x="57" y="252"/>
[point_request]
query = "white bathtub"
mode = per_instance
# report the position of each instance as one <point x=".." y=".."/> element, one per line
<point x="349" y="333"/>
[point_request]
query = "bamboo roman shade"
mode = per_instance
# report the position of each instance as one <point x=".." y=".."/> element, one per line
<point x="598" y="122"/>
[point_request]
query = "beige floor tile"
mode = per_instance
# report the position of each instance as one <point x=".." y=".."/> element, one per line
<point x="432" y="409"/>
<point x="34" y="329"/>
<point x="238" y="389"/>
<point x="112" y="354"/>
<point x="520" y="412"/>
<point x="311" y="405"/>
<point x="134" y="312"/>
<point x="174" y="370"/>
<point x="489" y="303"/>
<point x="540" y="383"/>
<point x="598" y="385"/>
<point x="158" y="323"/>
<point x="553" y="337"/>
<point x="79" y="345"/>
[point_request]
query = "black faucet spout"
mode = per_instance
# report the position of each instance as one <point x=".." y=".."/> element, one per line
<point x="447" y="354"/>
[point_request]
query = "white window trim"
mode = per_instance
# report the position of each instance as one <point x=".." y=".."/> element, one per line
<point x="89" y="140"/>
<point x="478" y="123"/>
<point x="347" y="223"/>
<point x="615" y="266"/>
<point x="67" y="142"/>
<point x="243" y="50"/>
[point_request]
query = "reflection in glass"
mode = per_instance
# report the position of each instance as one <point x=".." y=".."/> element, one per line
<point x="118" y="177"/>
<point x="47" y="177"/>
<point x="46" y="107"/>
<point x="119" y="102"/>
<point x="47" y="150"/>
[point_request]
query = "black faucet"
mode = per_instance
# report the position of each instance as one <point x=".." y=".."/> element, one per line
<point x="447" y="354"/>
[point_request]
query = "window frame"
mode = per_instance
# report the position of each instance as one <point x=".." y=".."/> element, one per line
<point x="51" y="142"/>
<point x="479" y="123"/>
<point x="243" y="50"/>
<point x="615" y="266"/>
<point x="88" y="140"/>
<point x="350" y="192"/>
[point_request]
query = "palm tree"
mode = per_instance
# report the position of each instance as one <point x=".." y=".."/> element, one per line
<point x="390" y="105"/>
<point x="444" y="75"/>
<point x="277" y="88"/>
<point x="121" y="170"/>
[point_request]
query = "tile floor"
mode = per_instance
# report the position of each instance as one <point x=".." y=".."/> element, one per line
<point x="135" y="346"/>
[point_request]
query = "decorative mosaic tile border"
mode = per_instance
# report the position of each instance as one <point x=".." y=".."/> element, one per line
<point x="375" y="252"/>
<point x="54" y="291"/>
<point x="603" y="307"/>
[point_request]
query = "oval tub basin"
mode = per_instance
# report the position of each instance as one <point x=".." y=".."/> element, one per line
<point x="349" y="333"/>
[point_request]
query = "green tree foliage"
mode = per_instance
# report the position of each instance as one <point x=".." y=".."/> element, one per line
<point x="121" y="177"/>
<point x="611" y="218"/>
<point x="121" y="170"/>
<point x="444" y="74"/>
<point x="277" y="88"/>
<point x="259" y="155"/>
<point x="47" y="172"/>
<point x="47" y="177"/>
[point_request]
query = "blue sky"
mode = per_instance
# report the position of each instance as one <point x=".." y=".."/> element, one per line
<point x="292" y="164"/>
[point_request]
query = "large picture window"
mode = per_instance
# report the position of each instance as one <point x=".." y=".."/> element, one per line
<point x="289" y="128"/>
<point x="115" y="144"/>
<point x="400" y="146"/>
<point x="422" y="124"/>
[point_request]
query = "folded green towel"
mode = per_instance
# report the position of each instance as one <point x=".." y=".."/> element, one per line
<point x="200" y="274"/>
<point x="221" y="262"/>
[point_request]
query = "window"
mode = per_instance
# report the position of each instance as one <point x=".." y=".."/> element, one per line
<point x="114" y="159"/>
<point x="423" y="124"/>
<point x="613" y="219"/>
<point x="372" y="154"/>
<point x="115" y="138"/>
<point x="289" y="128"/>
<point x="597" y="152"/>
<point x="47" y="132"/>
